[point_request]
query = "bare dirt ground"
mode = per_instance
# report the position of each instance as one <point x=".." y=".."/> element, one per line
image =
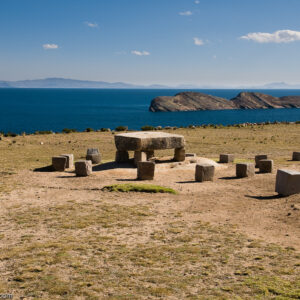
<point x="63" y="238"/>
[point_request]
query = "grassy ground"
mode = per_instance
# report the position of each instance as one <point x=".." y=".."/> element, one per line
<point x="107" y="247"/>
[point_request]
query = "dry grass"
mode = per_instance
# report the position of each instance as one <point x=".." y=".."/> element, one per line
<point x="107" y="247"/>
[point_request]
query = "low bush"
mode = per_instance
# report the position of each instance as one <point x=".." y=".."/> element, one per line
<point x="147" y="128"/>
<point x="89" y="129"/>
<point x="121" y="128"/>
<point x="68" y="130"/>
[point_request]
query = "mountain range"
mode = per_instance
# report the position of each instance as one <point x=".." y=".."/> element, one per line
<point x="74" y="83"/>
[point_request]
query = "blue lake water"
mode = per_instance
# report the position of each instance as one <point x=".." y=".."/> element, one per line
<point x="29" y="110"/>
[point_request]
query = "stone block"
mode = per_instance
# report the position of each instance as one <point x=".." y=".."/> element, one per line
<point x="245" y="170"/>
<point x="226" y="158"/>
<point x="149" y="154"/>
<point x="93" y="155"/>
<point x="265" y="165"/>
<point x="258" y="158"/>
<point x="204" y="172"/>
<point x="145" y="170"/>
<point x="296" y="156"/>
<point x="83" y="168"/>
<point x="139" y="156"/>
<point x="70" y="160"/>
<point x="179" y="154"/>
<point x="287" y="182"/>
<point x="59" y="163"/>
<point x="122" y="156"/>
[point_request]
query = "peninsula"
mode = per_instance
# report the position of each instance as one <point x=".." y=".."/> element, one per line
<point x="192" y="101"/>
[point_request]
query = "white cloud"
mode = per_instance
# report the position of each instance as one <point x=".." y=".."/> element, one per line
<point x="197" y="2"/>
<point x="198" y="42"/>
<point x="90" y="24"/>
<point x="280" y="36"/>
<point x="140" y="53"/>
<point x="50" y="46"/>
<point x="186" y="13"/>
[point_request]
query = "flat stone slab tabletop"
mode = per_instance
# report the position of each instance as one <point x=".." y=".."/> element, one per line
<point x="148" y="140"/>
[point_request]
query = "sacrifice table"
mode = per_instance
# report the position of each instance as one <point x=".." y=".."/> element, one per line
<point x="145" y="143"/>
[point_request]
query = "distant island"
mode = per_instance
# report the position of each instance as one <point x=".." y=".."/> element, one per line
<point x="192" y="101"/>
<point x="66" y="83"/>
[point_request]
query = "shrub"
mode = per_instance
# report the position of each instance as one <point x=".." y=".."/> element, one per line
<point x="104" y="129"/>
<point x="44" y="132"/>
<point x="68" y="130"/>
<point x="121" y="128"/>
<point x="89" y="129"/>
<point x="10" y="134"/>
<point x="147" y="128"/>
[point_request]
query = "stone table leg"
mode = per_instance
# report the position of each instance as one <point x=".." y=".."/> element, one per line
<point x="150" y="154"/>
<point x="122" y="156"/>
<point x="179" y="154"/>
<point x="139" y="156"/>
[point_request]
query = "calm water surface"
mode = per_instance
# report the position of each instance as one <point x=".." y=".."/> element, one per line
<point x="28" y="110"/>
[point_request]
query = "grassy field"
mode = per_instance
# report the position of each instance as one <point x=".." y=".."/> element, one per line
<point x="108" y="246"/>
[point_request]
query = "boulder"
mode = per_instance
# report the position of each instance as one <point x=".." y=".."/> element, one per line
<point x="70" y="160"/>
<point x="145" y="170"/>
<point x="59" y="163"/>
<point x="287" y="182"/>
<point x="226" y="158"/>
<point x="245" y="170"/>
<point x="265" y="165"/>
<point x="204" y="172"/>
<point x="83" y="168"/>
<point x="258" y="158"/>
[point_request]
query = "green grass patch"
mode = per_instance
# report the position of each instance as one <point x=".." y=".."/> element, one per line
<point x="141" y="188"/>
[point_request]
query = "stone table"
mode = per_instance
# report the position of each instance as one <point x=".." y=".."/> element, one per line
<point x="145" y="143"/>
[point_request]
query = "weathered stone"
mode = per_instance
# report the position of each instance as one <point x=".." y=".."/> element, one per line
<point x="122" y="156"/>
<point x="296" y="156"/>
<point x="190" y="155"/>
<point x="93" y="155"/>
<point x="139" y="156"/>
<point x="150" y="154"/>
<point x="70" y="160"/>
<point x="149" y="140"/>
<point x="265" y="165"/>
<point x="83" y="167"/>
<point x="245" y="170"/>
<point x="287" y="182"/>
<point x="204" y="172"/>
<point x="258" y="158"/>
<point x="59" y="163"/>
<point x="179" y="154"/>
<point x="145" y="170"/>
<point x="226" y="158"/>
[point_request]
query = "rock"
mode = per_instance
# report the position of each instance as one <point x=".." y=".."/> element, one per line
<point x="258" y="158"/>
<point x="179" y="154"/>
<point x="190" y="101"/>
<point x="226" y="158"/>
<point x="41" y="143"/>
<point x="245" y="170"/>
<point x="93" y="155"/>
<point x="139" y="156"/>
<point x="287" y="182"/>
<point x="265" y="165"/>
<point x="204" y="172"/>
<point x="83" y="168"/>
<point x="70" y="160"/>
<point x="145" y="170"/>
<point x="296" y="156"/>
<point x="122" y="156"/>
<point x="148" y="140"/>
<point x="59" y="163"/>
<point x="190" y="155"/>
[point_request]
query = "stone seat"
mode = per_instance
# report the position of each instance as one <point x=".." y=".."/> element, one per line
<point x="204" y="172"/>
<point x="258" y="158"/>
<point x="93" y="155"/>
<point x="59" y="163"/>
<point x="296" y="156"/>
<point x="226" y="158"/>
<point x="287" y="182"/>
<point x="265" y="165"/>
<point x="83" y="168"/>
<point x="145" y="170"/>
<point x="245" y="170"/>
<point x="70" y="160"/>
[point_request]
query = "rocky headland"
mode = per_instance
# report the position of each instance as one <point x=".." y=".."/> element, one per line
<point x="192" y="101"/>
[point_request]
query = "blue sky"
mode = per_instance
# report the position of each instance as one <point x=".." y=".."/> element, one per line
<point x="218" y="42"/>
